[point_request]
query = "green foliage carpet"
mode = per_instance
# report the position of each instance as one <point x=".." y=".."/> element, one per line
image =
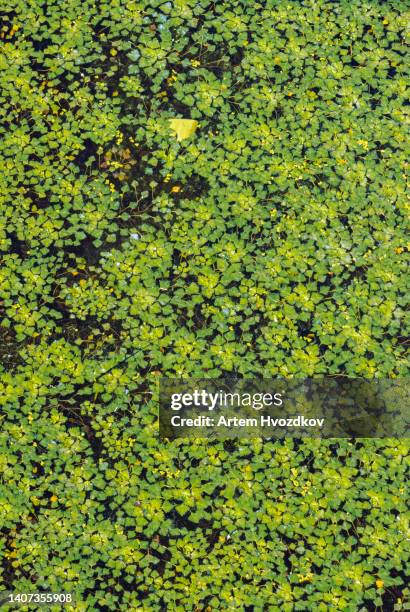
<point x="267" y="237"/>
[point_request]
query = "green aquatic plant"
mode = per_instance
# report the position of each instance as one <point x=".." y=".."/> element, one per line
<point x="268" y="239"/>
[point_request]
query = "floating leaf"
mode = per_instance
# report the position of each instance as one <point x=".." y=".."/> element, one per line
<point x="183" y="127"/>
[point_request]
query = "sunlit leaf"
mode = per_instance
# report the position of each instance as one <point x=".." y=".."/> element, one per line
<point x="183" y="128"/>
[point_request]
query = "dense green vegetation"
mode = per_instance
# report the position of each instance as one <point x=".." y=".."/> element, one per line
<point x="270" y="241"/>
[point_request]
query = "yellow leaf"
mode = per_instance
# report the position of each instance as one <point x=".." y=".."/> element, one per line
<point x="183" y="127"/>
<point x="379" y="583"/>
<point x="53" y="498"/>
